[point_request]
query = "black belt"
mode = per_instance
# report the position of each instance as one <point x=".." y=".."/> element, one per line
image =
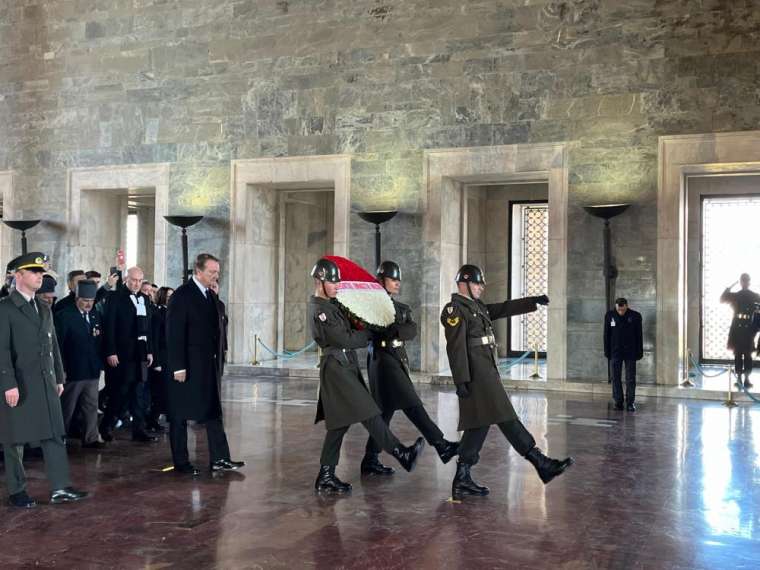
<point x="489" y="340"/>
<point x="395" y="343"/>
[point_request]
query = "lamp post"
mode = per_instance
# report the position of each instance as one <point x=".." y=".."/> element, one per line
<point x="22" y="226"/>
<point x="607" y="212"/>
<point x="183" y="222"/>
<point x="377" y="218"/>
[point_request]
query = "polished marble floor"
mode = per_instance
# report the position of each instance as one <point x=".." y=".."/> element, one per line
<point x="675" y="485"/>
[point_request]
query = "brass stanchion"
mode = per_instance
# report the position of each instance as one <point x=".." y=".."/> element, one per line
<point x="255" y="361"/>
<point x="535" y="374"/>
<point x="729" y="403"/>
<point x="688" y="383"/>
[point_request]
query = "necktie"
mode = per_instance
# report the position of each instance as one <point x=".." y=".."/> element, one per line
<point x="33" y="304"/>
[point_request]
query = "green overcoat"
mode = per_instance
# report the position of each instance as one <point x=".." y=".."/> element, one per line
<point x="473" y="362"/>
<point x="343" y="395"/>
<point x="30" y="361"/>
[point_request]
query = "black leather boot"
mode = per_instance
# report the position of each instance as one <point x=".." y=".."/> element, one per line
<point x="446" y="449"/>
<point x="371" y="466"/>
<point x="407" y="456"/>
<point x="328" y="482"/>
<point x="547" y="467"/>
<point x="464" y="485"/>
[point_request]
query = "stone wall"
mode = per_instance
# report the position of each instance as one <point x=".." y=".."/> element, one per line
<point x="196" y="83"/>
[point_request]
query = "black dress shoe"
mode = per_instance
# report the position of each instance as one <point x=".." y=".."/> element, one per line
<point x="407" y="456"/>
<point x="328" y="482"/>
<point x="464" y="485"/>
<point x="371" y="466"/>
<point x="106" y="436"/>
<point x="156" y="428"/>
<point x="226" y="465"/>
<point x="631" y="407"/>
<point x="747" y="383"/>
<point x="446" y="450"/>
<point x="188" y="469"/>
<point x="143" y="437"/>
<point x="67" y="495"/>
<point x="547" y="467"/>
<point x="619" y="406"/>
<point x="94" y="445"/>
<point x="21" y="500"/>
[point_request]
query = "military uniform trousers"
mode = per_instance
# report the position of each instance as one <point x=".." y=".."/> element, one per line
<point x="56" y="465"/>
<point x="473" y="439"/>
<point x="421" y="420"/>
<point x="378" y="431"/>
<point x="743" y="362"/>
<point x="81" y="396"/>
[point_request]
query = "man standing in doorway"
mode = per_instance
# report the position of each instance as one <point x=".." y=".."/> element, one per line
<point x="741" y="335"/>
<point x="623" y="343"/>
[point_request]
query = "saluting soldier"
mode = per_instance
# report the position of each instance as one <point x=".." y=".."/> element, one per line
<point x="343" y="395"/>
<point x="471" y="348"/>
<point x="31" y="377"/>
<point x="741" y="335"/>
<point x="389" y="380"/>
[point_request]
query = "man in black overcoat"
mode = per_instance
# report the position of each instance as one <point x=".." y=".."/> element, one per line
<point x="623" y="343"/>
<point x="194" y="330"/>
<point x="471" y="348"/>
<point x="128" y="346"/>
<point x="389" y="379"/>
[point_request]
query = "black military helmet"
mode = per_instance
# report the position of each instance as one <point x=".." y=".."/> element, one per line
<point x="326" y="270"/>
<point x="389" y="270"/>
<point x="471" y="274"/>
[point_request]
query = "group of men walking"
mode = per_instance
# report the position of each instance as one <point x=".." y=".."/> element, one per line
<point x="33" y="377"/>
<point x="471" y="347"/>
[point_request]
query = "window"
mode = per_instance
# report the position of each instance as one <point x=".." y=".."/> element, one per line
<point x="132" y="239"/>
<point x="529" y="262"/>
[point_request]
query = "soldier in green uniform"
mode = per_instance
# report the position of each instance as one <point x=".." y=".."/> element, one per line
<point x="343" y="396"/>
<point x="389" y="380"/>
<point x="471" y="348"/>
<point x="31" y="378"/>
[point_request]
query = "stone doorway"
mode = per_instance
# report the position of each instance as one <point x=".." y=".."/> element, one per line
<point x="448" y="173"/>
<point x="271" y="199"/>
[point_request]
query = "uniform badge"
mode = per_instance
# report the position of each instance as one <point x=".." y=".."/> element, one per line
<point x="322" y="317"/>
<point x="452" y="321"/>
<point x="450" y="310"/>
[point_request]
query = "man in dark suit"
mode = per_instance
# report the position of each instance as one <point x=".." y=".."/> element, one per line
<point x="79" y="334"/>
<point x="127" y="342"/>
<point x="31" y="379"/>
<point x="194" y="332"/>
<point x="623" y="343"/>
<point x="69" y="300"/>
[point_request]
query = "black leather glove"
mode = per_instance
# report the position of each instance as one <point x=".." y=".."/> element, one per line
<point x="541" y="300"/>
<point x="463" y="391"/>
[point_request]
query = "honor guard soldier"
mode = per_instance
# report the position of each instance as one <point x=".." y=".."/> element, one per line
<point x="31" y="378"/>
<point x="389" y="380"/>
<point x="741" y="335"/>
<point x="343" y="396"/>
<point x="471" y="348"/>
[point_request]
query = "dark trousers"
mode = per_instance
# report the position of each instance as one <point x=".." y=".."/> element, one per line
<point x="421" y="420"/>
<point x="81" y="396"/>
<point x="630" y="380"/>
<point x="56" y="465"/>
<point x="378" y="430"/>
<point x="473" y="439"/>
<point x="158" y="381"/>
<point x="218" y="448"/>
<point x="743" y="362"/>
<point x="128" y="389"/>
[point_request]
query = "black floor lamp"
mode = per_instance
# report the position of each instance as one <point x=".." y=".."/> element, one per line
<point x="183" y="222"/>
<point x="607" y="212"/>
<point x="22" y="226"/>
<point x="377" y="218"/>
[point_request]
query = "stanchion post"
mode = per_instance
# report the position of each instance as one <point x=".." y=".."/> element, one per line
<point x="535" y="374"/>
<point x="729" y="403"/>
<point x="688" y="383"/>
<point x="255" y="350"/>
